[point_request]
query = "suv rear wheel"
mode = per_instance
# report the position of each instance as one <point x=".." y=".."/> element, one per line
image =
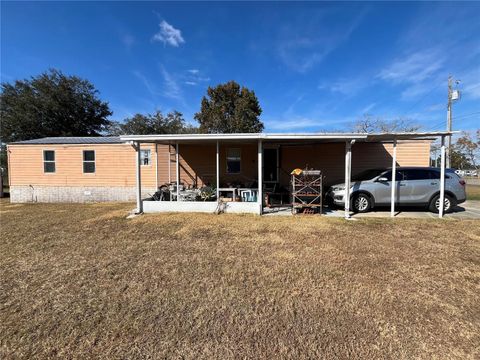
<point x="361" y="203"/>
<point x="435" y="204"/>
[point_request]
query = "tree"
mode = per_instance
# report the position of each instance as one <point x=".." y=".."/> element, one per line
<point x="229" y="108"/>
<point x="51" y="104"/>
<point x="157" y="123"/>
<point x="469" y="147"/>
<point x="458" y="160"/>
<point x="370" y="124"/>
<point x="463" y="153"/>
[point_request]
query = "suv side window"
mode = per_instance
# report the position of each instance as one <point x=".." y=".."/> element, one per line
<point x="388" y="175"/>
<point x="416" y="174"/>
<point x="435" y="175"/>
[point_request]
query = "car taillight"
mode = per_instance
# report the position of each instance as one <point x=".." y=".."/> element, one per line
<point x="462" y="182"/>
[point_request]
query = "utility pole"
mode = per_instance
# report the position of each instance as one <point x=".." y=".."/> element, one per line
<point x="453" y="95"/>
<point x="449" y="118"/>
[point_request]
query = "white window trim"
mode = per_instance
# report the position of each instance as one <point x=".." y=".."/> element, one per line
<point x="149" y="157"/>
<point x="49" y="161"/>
<point x="226" y="161"/>
<point x="90" y="161"/>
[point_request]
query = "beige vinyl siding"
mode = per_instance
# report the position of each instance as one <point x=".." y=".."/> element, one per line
<point x="115" y="163"/>
<point x="198" y="164"/>
<point x="330" y="158"/>
<point x="413" y="153"/>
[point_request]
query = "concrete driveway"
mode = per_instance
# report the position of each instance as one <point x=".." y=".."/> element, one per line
<point x="470" y="209"/>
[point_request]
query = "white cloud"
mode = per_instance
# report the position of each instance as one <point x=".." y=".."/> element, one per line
<point x="303" y="45"/>
<point x="345" y="86"/>
<point x="168" y="89"/>
<point x="472" y="91"/>
<point x="171" y="88"/>
<point x="128" y="40"/>
<point x="367" y="108"/>
<point x="414" y="68"/>
<point x="302" y="54"/>
<point x="419" y="72"/>
<point x="299" y="123"/>
<point x="435" y="107"/>
<point x="150" y="87"/>
<point x="169" y="35"/>
<point x="470" y="83"/>
<point x="194" y="77"/>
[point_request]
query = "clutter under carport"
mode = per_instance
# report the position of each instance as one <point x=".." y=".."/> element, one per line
<point x="307" y="190"/>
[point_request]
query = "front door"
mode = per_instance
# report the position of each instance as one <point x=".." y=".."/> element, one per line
<point x="270" y="165"/>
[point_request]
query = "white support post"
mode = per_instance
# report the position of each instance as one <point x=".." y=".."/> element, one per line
<point x="169" y="164"/>
<point x="139" y="180"/>
<point x="394" y="178"/>
<point x="260" y="176"/>
<point x="177" y="168"/>
<point x="217" y="170"/>
<point x="348" y="172"/>
<point x="156" y="166"/>
<point x="442" y="179"/>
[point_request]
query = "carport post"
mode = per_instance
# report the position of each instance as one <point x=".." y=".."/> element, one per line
<point x="348" y="173"/>
<point x="217" y="169"/>
<point x="442" y="179"/>
<point x="260" y="177"/>
<point x="139" y="179"/>
<point x="177" y="169"/>
<point x="156" y="166"/>
<point x="394" y="178"/>
<point x="169" y="163"/>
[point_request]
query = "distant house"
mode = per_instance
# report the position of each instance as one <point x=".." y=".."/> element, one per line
<point x="82" y="169"/>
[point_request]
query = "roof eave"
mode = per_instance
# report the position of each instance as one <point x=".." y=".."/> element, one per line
<point x="286" y="136"/>
<point x="261" y="136"/>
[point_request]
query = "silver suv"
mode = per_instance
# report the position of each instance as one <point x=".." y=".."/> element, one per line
<point x="416" y="186"/>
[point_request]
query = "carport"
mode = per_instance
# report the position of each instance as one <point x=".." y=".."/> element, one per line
<point x="261" y="140"/>
<point x="394" y="138"/>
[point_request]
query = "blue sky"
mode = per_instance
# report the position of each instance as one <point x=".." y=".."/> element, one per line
<point x="314" y="66"/>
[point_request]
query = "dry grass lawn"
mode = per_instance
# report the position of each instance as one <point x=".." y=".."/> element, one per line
<point x="473" y="192"/>
<point x="82" y="281"/>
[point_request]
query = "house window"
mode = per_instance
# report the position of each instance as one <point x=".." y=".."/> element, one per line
<point x="233" y="161"/>
<point x="88" y="161"/>
<point x="145" y="157"/>
<point x="48" y="161"/>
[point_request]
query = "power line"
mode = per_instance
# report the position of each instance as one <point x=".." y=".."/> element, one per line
<point x="466" y="115"/>
<point x="423" y="98"/>
<point x="473" y="87"/>
<point x="441" y="124"/>
<point x="438" y="125"/>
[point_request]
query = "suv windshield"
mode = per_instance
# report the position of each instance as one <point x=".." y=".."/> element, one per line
<point x="367" y="174"/>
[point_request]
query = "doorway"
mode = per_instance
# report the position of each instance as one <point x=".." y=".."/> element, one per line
<point x="270" y="165"/>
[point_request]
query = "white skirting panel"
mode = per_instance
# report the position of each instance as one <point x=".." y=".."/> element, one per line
<point x="199" y="206"/>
